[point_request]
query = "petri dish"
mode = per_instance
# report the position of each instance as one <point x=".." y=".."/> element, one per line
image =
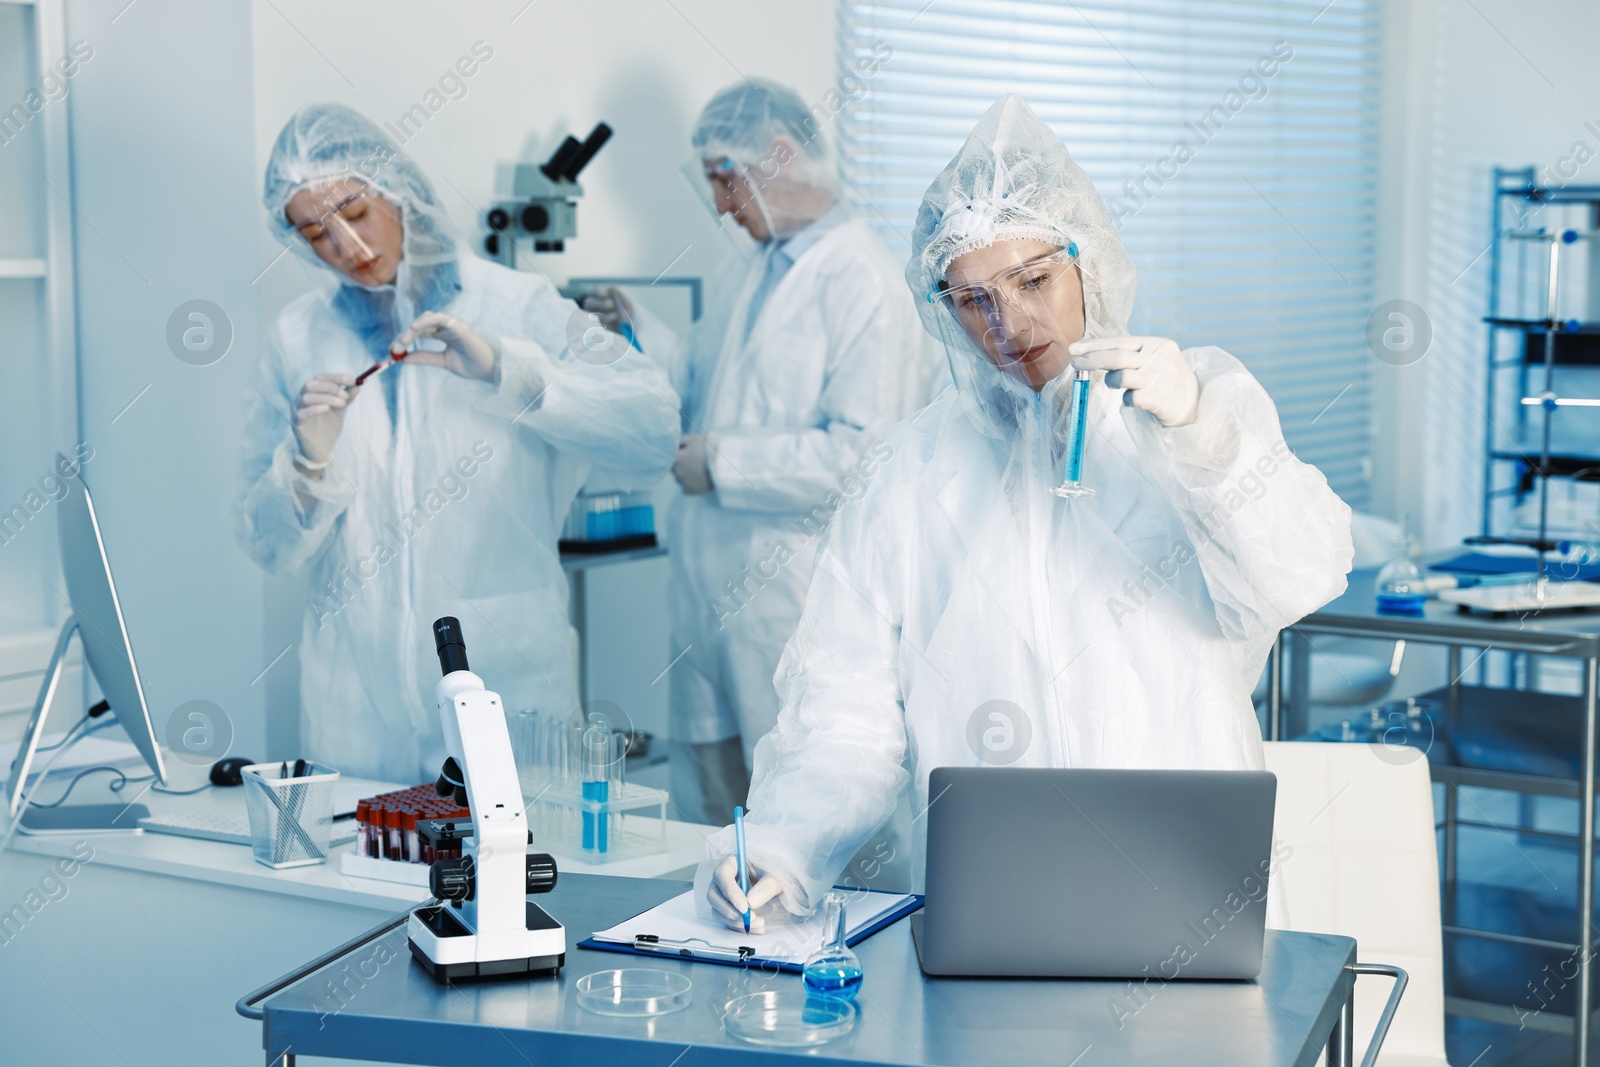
<point x="788" y="1018"/>
<point x="634" y="992"/>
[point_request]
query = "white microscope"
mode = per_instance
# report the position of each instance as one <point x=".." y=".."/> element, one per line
<point x="483" y="925"/>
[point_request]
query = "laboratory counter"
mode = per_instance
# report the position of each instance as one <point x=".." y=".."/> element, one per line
<point x="231" y="864"/>
<point x="124" y="948"/>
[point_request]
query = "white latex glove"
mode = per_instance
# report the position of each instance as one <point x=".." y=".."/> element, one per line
<point x="466" y="352"/>
<point x="691" y="467"/>
<point x="1152" y="370"/>
<point x="611" y="305"/>
<point x="319" y="419"/>
<point x="728" y="901"/>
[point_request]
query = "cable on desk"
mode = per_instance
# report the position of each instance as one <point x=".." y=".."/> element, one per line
<point x="74" y="735"/>
<point x="175" y="792"/>
<point x="116" y="787"/>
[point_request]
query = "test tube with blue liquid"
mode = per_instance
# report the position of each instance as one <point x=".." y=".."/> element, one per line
<point x="833" y="970"/>
<point x="1077" y="433"/>
<point x="599" y="762"/>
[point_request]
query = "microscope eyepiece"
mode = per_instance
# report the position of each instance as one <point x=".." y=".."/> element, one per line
<point x="452" y="647"/>
<point x="561" y="158"/>
<point x="586" y="151"/>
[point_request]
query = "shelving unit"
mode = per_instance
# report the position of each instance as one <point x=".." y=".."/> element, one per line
<point x="1544" y="335"/>
<point x="37" y="302"/>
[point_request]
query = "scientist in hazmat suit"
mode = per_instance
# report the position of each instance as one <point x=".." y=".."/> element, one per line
<point x="962" y="614"/>
<point x="791" y="383"/>
<point x="439" y="486"/>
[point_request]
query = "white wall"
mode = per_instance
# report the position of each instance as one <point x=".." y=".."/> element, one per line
<point x="163" y="214"/>
<point x="1469" y="86"/>
<point x="643" y="66"/>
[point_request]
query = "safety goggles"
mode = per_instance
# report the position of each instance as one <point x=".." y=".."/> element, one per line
<point x="1025" y="287"/>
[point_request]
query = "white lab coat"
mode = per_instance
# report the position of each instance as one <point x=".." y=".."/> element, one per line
<point x="794" y="413"/>
<point x="1125" y="630"/>
<point x="455" y="510"/>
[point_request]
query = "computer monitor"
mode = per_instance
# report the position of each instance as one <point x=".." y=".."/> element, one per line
<point x="108" y="653"/>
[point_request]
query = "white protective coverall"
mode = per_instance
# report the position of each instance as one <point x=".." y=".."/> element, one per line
<point x="451" y="508"/>
<point x="1125" y="630"/>
<point x="796" y="406"/>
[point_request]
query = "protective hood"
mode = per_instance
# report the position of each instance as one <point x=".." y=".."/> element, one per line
<point x="1012" y="180"/>
<point x="327" y="142"/>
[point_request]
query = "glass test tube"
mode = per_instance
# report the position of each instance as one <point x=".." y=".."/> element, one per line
<point x="1077" y="433"/>
<point x="596" y="784"/>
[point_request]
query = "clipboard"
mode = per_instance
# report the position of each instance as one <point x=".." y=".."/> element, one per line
<point x="722" y="946"/>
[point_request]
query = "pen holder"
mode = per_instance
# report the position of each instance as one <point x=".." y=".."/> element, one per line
<point x="291" y="818"/>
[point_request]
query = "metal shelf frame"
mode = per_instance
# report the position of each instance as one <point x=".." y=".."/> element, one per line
<point x="1467" y="640"/>
<point x="1515" y="191"/>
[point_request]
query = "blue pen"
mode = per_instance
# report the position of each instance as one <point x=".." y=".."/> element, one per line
<point x="744" y="864"/>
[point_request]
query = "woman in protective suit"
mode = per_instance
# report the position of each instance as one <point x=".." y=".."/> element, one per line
<point x="962" y="614"/>
<point x="439" y="486"/>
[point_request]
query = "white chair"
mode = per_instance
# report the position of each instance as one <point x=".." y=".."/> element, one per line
<point x="1364" y="864"/>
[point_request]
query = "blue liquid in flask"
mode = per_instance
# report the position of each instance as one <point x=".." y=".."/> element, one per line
<point x="833" y="970"/>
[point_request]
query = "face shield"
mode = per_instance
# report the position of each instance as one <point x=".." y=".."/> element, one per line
<point x="350" y="227"/>
<point x="734" y="197"/>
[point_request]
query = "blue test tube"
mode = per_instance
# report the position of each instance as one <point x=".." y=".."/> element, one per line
<point x="596" y="747"/>
<point x="1077" y="435"/>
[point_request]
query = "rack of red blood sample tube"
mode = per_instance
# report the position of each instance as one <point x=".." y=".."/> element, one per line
<point x="387" y="824"/>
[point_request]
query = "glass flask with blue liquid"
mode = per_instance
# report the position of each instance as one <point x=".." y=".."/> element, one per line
<point x="1400" y="588"/>
<point x="833" y="970"/>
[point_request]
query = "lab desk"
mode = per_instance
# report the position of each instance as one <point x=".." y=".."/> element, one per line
<point x="369" y="999"/>
<point x="1548" y="723"/>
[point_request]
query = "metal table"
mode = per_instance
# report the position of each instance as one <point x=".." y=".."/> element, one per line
<point x="1573" y="635"/>
<point x="369" y="1000"/>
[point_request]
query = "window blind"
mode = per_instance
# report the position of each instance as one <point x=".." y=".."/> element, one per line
<point x="1235" y="143"/>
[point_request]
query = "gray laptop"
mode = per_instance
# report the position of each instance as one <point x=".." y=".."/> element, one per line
<point x="1096" y="873"/>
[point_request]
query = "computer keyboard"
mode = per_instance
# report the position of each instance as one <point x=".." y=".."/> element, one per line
<point x="221" y="826"/>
